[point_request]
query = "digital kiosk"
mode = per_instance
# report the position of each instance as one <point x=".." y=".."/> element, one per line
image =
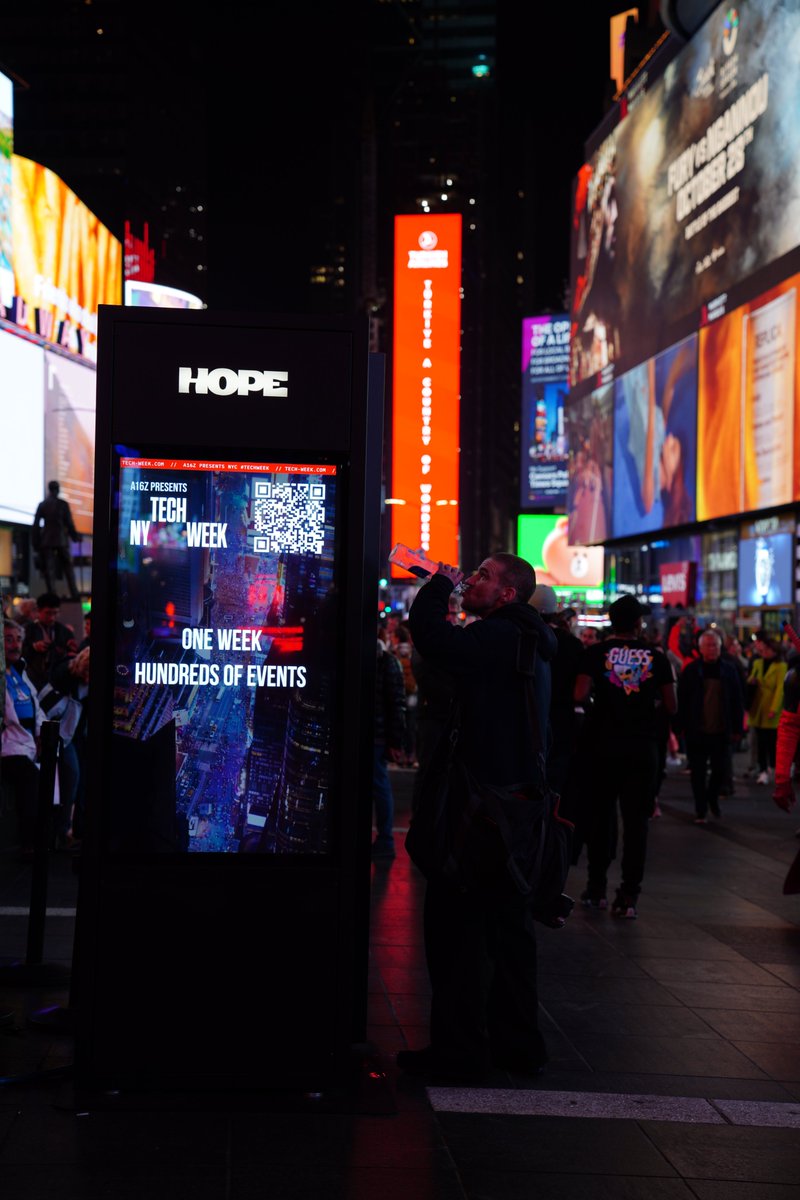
<point x="223" y="909"/>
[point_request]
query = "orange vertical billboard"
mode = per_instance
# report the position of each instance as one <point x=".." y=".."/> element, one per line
<point x="426" y="384"/>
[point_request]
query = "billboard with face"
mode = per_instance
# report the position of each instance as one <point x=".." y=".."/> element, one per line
<point x="655" y="414"/>
<point x="697" y="189"/>
<point x="590" y="428"/>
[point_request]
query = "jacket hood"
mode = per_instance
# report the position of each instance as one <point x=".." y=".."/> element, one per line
<point x="527" y="619"/>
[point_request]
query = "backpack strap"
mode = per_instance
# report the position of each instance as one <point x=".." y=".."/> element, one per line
<point x="527" y="655"/>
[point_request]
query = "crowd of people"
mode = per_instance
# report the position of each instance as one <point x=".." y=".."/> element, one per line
<point x="613" y="705"/>
<point x="46" y="678"/>
<point x="622" y="702"/>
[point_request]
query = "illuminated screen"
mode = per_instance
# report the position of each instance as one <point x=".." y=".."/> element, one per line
<point x="224" y="645"/>
<point x="66" y="262"/>
<point x="142" y="294"/>
<point x="542" y="541"/>
<point x="22" y="482"/>
<point x="545" y="362"/>
<point x="748" y="431"/>
<point x="590" y="424"/>
<point x="655" y="457"/>
<point x="426" y="387"/>
<point x="70" y="387"/>
<point x="6" y="149"/>
<point x="695" y="190"/>
<point x="766" y="570"/>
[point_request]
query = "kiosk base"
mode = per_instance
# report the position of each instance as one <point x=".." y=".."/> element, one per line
<point x="365" y="1090"/>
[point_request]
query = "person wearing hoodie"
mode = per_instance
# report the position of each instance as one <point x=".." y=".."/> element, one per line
<point x="480" y="946"/>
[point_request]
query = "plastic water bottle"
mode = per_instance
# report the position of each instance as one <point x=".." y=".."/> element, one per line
<point x="413" y="561"/>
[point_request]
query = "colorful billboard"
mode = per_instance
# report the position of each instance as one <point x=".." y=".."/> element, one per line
<point x="542" y="539"/>
<point x="65" y="261"/>
<point x="766" y="570"/>
<point x="142" y="294"/>
<point x="69" y="418"/>
<point x="694" y="191"/>
<point x="426" y="384"/>
<point x="748" y="426"/>
<point x="590" y="430"/>
<point x="22" y="445"/>
<point x="545" y="364"/>
<point x="655" y="452"/>
<point x="6" y="152"/>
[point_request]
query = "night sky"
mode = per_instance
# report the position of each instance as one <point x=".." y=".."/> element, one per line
<point x="255" y="112"/>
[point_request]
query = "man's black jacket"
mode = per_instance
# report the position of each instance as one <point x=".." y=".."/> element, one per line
<point x="690" y="698"/>
<point x="495" y="736"/>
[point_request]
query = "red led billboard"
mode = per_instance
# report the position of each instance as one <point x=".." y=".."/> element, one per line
<point x="426" y="384"/>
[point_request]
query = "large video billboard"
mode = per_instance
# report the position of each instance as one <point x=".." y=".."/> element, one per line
<point x="426" y="384"/>
<point x="543" y="443"/>
<point x="22" y="443"/>
<point x="696" y="190"/>
<point x="748" y="428"/>
<point x="6" y="151"/>
<point x="69" y="419"/>
<point x="65" y="261"/>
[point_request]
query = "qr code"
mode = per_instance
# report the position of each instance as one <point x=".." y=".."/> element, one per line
<point x="288" y="518"/>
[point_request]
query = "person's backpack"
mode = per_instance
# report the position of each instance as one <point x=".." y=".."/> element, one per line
<point x="65" y="709"/>
<point x="471" y="834"/>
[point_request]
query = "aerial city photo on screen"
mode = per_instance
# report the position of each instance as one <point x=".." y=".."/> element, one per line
<point x="224" y="656"/>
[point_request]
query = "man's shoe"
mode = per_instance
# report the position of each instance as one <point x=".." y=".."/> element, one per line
<point x="429" y="1065"/>
<point x="383" y="850"/>
<point x="763" y="777"/>
<point x="590" y="899"/>
<point x="700" y="821"/>
<point x="519" y="1064"/>
<point x="624" y="906"/>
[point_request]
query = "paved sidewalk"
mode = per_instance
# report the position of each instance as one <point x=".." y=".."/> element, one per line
<point x="674" y="1043"/>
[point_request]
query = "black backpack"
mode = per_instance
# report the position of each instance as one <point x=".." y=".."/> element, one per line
<point x="473" y="835"/>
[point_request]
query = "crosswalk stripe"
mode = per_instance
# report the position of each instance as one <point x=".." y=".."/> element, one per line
<point x="609" y="1105"/>
<point x="19" y="911"/>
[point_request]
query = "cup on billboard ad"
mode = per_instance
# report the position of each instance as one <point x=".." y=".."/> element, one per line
<point x="572" y="570"/>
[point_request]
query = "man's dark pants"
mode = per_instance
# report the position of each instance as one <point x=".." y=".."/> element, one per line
<point x="22" y="776"/>
<point x="481" y="956"/>
<point x="626" y="772"/>
<point x="709" y="756"/>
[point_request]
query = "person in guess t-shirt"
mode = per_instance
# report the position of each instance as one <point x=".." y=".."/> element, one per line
<point x="627" y="678"/>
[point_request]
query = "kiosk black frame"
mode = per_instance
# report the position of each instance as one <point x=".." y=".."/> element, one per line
<point x="234" y="972"/>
